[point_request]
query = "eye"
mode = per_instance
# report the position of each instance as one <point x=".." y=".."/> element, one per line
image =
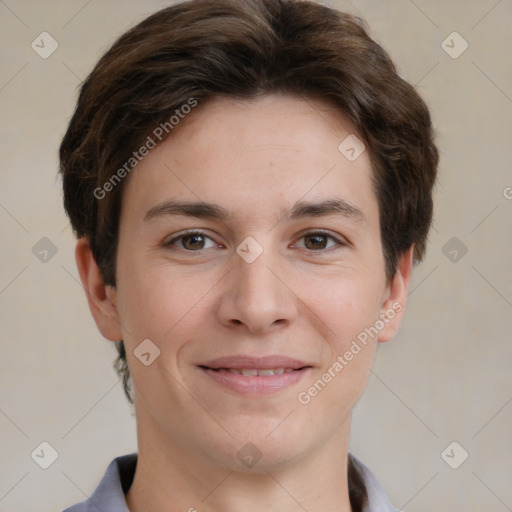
<point x="318" y="241"/>
<point x="192" y="241"/>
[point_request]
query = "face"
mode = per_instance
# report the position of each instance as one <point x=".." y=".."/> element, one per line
<point x="250" y="256"/>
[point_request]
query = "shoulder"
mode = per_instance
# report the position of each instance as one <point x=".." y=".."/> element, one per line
<point x="109" y="496"/>
<point x="377" y="499"/>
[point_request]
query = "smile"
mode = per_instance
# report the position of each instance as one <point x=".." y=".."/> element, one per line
<point x="255" y="381"/>
<point x="252" y="372"/>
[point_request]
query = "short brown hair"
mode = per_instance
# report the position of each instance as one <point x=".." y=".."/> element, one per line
<point x="201" y="49"/>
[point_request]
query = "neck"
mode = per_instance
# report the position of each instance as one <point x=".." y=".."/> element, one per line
<point x="171" y="477"/>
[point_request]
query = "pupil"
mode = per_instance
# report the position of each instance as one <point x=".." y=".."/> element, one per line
<point x="193" y="241"/>
<point x="316" y="242"/>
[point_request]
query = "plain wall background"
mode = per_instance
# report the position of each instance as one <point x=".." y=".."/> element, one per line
<point x="446" y="377"/>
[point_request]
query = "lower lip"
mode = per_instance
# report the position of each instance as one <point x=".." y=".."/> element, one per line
<point x="257" y="384"/>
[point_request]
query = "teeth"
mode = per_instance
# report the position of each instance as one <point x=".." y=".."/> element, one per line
<point x="269" y="372"/>
<point x="250" y="372"/>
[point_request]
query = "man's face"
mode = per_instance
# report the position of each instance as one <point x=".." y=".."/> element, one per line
<point x="282" y="271"/>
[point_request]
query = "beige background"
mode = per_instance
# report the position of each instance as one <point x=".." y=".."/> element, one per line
<point x="446" y="377"/>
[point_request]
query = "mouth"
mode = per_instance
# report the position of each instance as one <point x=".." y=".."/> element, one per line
<point x="254" y="372"/>
<point x="255" y="376"/>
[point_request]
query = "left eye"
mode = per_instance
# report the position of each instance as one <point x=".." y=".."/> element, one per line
<point x="193" y="241"/>
<point x="318" y="241"/>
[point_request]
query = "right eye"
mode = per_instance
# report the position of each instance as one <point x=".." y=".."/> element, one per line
<point x="192" y="241"/>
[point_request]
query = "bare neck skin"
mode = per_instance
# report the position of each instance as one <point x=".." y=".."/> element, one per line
<point x="171" y="478"/>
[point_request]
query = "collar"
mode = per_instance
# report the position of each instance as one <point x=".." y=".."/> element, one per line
<point x="109" y="496"/>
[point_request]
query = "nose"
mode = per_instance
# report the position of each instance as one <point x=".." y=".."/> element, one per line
<point x="256" y="297"/>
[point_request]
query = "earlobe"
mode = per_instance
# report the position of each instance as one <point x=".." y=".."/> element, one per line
<point x="392" y="308"/>
<point x="102" y="299"/>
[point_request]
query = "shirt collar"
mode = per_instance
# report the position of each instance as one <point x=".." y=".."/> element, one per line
<point x="377" y="498"/>
<point x="109" y="496"/>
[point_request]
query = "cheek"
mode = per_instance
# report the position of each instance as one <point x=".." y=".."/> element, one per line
<point x="345" y="304"/>
<point x="143" y="302"/>
<point x="349" y="353"/>
<point x="158" y="303"/>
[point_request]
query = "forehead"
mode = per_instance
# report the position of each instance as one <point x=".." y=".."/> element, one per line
<point x="268" y="152"/>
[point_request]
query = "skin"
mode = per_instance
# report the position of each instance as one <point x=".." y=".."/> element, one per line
<point x="303" y="297"/>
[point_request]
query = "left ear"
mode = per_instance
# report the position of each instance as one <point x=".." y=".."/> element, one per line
<point x="395" y="297"/>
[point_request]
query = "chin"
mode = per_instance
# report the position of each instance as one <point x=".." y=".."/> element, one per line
<point x="252" y="451"/>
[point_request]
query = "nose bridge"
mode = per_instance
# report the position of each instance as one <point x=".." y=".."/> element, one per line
<point x="254" y="295"/>
<point x="256" y="283"/>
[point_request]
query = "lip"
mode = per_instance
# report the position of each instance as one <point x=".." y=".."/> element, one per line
<point x="255" y="384"/>
<point x="258" y="363"/>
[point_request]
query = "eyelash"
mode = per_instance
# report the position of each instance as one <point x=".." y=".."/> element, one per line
<point x="339" y="242"/>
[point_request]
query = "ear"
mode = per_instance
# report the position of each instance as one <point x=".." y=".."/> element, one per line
<point x="395" y="297"/>
<point x="101" y="298"/>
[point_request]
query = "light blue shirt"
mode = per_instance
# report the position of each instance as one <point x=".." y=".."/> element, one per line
<point x="109" y="496"/>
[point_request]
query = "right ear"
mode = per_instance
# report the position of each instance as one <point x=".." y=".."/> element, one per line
<point x="102" y="299"/>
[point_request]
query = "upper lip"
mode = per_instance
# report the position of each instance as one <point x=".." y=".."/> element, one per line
<point x="256" y="363"/>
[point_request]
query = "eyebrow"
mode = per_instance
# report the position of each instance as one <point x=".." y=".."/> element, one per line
<point x="197" y="209"/>
<point x="301" y="209"/>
